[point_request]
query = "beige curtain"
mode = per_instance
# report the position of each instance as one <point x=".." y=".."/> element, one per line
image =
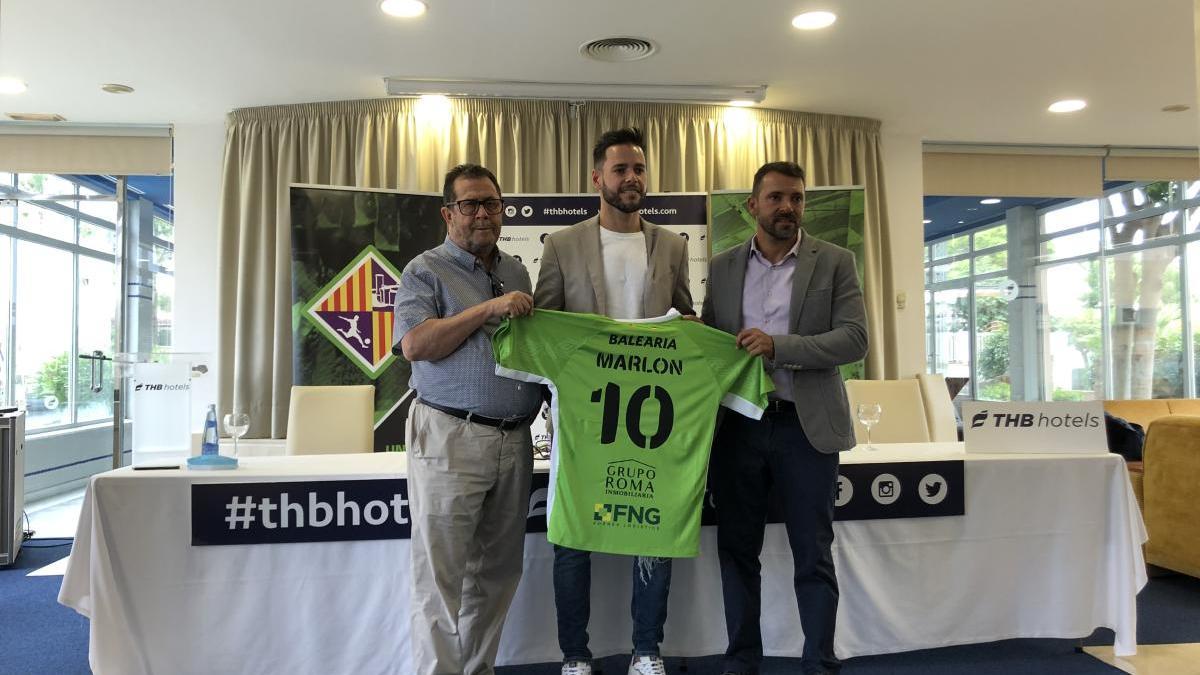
<point x="696" y="148"/>
<point x="533" y="146"/>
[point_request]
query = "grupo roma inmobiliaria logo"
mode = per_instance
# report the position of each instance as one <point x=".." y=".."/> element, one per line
<point x="355" y="311"/>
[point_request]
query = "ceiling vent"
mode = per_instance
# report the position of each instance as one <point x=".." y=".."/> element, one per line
<point x="618" y="49"/>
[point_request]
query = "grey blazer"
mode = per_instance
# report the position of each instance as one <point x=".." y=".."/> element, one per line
<point x="828" y="328"/>
<point x="571" y="277"/>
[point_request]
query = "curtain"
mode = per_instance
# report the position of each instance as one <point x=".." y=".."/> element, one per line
<point x="533" y="146"/>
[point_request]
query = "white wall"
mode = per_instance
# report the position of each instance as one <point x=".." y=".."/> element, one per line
<point x="903" y="183"/>
<point x="199" y="153"/>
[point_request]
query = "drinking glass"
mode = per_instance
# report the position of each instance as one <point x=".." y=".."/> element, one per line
<point x="868" y="415"/>
<point x="236" y="425"/>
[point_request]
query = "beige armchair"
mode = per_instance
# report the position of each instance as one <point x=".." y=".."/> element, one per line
<point x="939" y="408"/>
<point x="331" y="420"/>
<point x="903" y="419"/>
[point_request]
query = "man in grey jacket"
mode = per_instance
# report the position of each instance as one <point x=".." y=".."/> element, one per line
<point x="621" y="266"/>
<point x="796" y="301"/>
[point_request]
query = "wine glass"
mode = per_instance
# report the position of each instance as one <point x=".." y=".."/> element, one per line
<point x="236" y="425"/>
<point x="868" y="415"/>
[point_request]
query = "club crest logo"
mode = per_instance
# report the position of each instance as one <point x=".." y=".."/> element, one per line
<point x="355" y="311"/>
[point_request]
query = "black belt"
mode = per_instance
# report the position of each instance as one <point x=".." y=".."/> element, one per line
<point x="776" y="406"/>
<point x="501" y="424"/>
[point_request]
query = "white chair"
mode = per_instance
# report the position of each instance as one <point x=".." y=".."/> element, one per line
<point x="939" y="408"/>
<point x="903" y="418"/>
<point x="331" y="420"/>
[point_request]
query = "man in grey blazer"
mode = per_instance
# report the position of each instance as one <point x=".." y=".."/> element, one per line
<point x="621" y="266"/>
<point x="796" y="301"/>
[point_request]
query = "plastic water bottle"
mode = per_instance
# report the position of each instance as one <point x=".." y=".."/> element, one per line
<point x="209" y="444"/>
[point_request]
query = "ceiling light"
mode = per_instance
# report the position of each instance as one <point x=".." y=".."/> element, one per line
<point x="36" y="117"/>
<point x="433" y="109"/>
<point x="741" y="103"/>
<point x="989" y="200"/>
<point x="114" y="88"/>
<point x="927" y="221"/>
<point x="1067" y="105"/>
<point x="577" y="91"/>
<point x="1176" y="107"/>
<point x="814" y="20"/>
<point x="960" y="222"/>
<point x="11" y="85"/>
<point x="404" y="9"/>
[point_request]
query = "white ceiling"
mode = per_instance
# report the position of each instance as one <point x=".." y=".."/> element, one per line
<point x="946" y="70"/>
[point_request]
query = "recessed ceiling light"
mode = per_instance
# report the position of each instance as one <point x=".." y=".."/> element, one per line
<point x="989" y="200"/>
<point x="927" y="221"/>
<point x="814" y="20"/>
<point x="1067" y="105"/>
<point x="114" y="88"/>
<point x="1176" y="107"/>
<point x="404" y="9"/>
<point x="741" y="103"/>
<point x="960" y="222"/>
<point x="11" y="85"/>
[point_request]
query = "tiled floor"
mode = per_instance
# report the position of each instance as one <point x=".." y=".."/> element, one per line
<point x="55" y="517"/>
<point x="1153" y="659"/>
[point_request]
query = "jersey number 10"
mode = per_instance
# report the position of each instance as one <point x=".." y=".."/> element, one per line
<point x="610" y="395"/>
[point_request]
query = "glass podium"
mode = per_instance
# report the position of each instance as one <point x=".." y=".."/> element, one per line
<point x="154" y="392"/>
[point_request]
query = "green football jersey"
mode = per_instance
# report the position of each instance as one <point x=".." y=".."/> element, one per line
<point x="634" y="408"/>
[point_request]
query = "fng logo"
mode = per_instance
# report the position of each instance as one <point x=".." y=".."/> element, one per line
<point x="624" y="514"/>
<point x="979" y="418"/>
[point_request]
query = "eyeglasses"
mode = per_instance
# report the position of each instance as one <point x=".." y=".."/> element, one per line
<point x="468" y="207"/>
<point x="497" y="285"/>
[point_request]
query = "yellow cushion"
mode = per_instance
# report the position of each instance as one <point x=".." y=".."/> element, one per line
<point x="1141" y="412"/>
<point x="1171" y="487"/>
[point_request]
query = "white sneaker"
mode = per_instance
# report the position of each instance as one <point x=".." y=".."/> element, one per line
<point x="577" y="668"/>
<point x="647" y="665"/>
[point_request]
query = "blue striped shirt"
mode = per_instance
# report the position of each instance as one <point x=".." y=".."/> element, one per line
<point x="440" y="283"/>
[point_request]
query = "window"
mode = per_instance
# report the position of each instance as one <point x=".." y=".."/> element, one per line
<point x="58" y="272"/>
<point x="991" y="341"/>
<point x="1145" y="324"/>
<point x="1105" y="288"/>
<point x="1115" y="314"/>
<point x="1072" y="354"/>
<point x="968" y="314"/>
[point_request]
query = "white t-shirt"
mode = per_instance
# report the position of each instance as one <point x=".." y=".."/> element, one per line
<point x="624" y="272"/>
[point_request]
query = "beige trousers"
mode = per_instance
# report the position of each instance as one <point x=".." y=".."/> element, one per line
<point x="468" y="487"/>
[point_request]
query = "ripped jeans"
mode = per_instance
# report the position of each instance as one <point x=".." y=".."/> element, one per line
<point x="572" y="600"/>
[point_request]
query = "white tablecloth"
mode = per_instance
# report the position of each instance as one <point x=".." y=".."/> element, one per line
<point x="1049" y="547"/>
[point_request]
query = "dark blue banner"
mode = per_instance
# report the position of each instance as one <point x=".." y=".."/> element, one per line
<point x="353" y="510"/>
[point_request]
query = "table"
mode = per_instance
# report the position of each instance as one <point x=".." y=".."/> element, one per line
<point x="1049" y="547"/>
